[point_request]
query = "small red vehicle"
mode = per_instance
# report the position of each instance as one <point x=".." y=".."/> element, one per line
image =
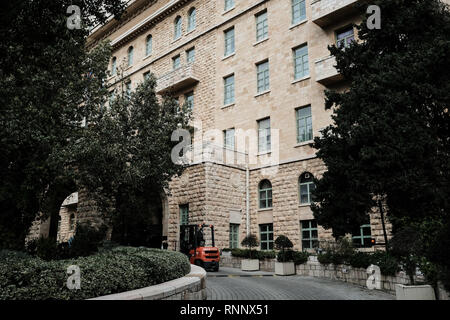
<point x="193" y="244"/>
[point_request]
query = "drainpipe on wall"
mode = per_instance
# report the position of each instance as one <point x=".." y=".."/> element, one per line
<point x="247" y="200"/>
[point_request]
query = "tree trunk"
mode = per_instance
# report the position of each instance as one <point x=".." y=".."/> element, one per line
<point x="380" y="206"/>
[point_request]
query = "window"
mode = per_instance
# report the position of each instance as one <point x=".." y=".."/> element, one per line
<point x="262" y="27"/>
<point x="177" y="26"/>
<point x="266" y="234"/>
<point x="114" y="66"/>
<point x="310" y="237"/>
<point x="148" y="45"/>
<point x="264" y="143"/>
<point x="177" y="104"/>
<point x="130" y="56"/>
<point x="263" y="76"/>
<point x="298" y="11"/>
<point x="112" y="96"/>
<point x="191" y="19"/>
<point x="189" y="98"/>
<point x="72" y="222"/>
<point x="306" y="187"/>
<point x="345" y="37"/>
<point x="265" y="194"/>
<point x="190" y="55"/>
<point x="147" y="75"/>
<point x="234" y="236"/>
<point x="229" y="41"/>
<point x="229" y="138"/>
<point x="229" y="4"/>
<point x="362" y="238"/>
<point x="301" y="62"/>
<point x="59" y="224"/>
<point x="176" y="62"/>
<point x="304" y="124"/>
<point x="128" y="89"/>
<point x="184" y="214"/>
<point x="229" y="90"/>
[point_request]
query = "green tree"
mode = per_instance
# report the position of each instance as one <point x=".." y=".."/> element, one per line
<point x="389" y="142"/>
<point x="123" y="159"/>
<point x="250" y="241"/>
<point x="46" y="73"/>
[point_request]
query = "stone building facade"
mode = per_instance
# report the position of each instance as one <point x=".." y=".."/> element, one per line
<point x="240" y="63"/>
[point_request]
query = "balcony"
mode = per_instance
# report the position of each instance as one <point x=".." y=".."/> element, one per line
<point x="326" y="12"/>
<point x="326" y="72"/>
<point x="178" y="79"/>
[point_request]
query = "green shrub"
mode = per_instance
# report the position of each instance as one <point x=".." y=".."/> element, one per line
<point x="226" y="250"/>
<point x="250" y="242"/>
<point x="300" y="257"/>
<point x="325" y="258"/>
<point x="240" y="253"/>
<point x="44" y="248"/>
<point x="111" y="271"/>
<point x="361" y="260"/>
<point x="285" y="256"/>
<point x="86" y="241"/>
<point x="266" y="255"/>
<point x="253" y="254"/>
<point x="388" y="264"/>
<point x="282" y="243"/>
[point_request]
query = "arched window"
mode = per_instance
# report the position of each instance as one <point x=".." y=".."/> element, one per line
<point x="72" y="222"/>
<point x="130" y="56"/>
<point x="177" y="26"/>
<point x="114" y="66"/>
<point x="265" y="194"/>
<point x="306" y="187"/>
<point x="191" y="19"/>
<point x="148" y="45"/>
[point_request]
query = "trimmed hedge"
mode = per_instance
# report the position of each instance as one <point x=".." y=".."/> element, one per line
<point x="296" y="256"/>
<point x="300" y="257"/>
<point x="255" y="254"/>
<point x="23" y="277"/>
<point x="388" y="264"/>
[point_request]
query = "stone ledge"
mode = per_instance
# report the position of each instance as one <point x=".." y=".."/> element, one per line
<point x="190" y="287"/>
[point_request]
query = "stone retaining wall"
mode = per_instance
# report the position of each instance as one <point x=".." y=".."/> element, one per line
<point x="190" y="287"/>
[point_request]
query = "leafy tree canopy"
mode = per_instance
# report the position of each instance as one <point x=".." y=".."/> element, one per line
<point x="390" y="132"/>
<point x="390" y="136"/>
<point x="49" y="85"/>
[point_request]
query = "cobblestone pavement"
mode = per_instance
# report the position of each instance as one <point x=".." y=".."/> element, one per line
<point x="234" y="284"/>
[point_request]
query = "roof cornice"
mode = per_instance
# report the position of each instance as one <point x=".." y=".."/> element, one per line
<point x="139" y="28"/>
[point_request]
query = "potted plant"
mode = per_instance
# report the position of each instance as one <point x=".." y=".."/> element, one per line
<point x="250" y="264"/>
<point x="285" y="261"/>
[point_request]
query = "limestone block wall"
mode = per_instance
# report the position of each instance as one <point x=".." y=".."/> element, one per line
<point x="225" y="204"/>
<point x="189" y="188"/>
<point x="66" y="225"/>
<point x="287" y="210"/>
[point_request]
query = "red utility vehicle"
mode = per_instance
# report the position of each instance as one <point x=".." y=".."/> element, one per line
<point x="192" y="243"/>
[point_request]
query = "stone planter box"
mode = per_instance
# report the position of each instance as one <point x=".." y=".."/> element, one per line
<point x="226" y="254"/>
<point x="423" y="292"/>
<point x="250" y="265"/>
<point x="284" y="268"/>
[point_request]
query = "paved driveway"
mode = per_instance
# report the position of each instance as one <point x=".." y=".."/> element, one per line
<point x="234" y="284"/>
